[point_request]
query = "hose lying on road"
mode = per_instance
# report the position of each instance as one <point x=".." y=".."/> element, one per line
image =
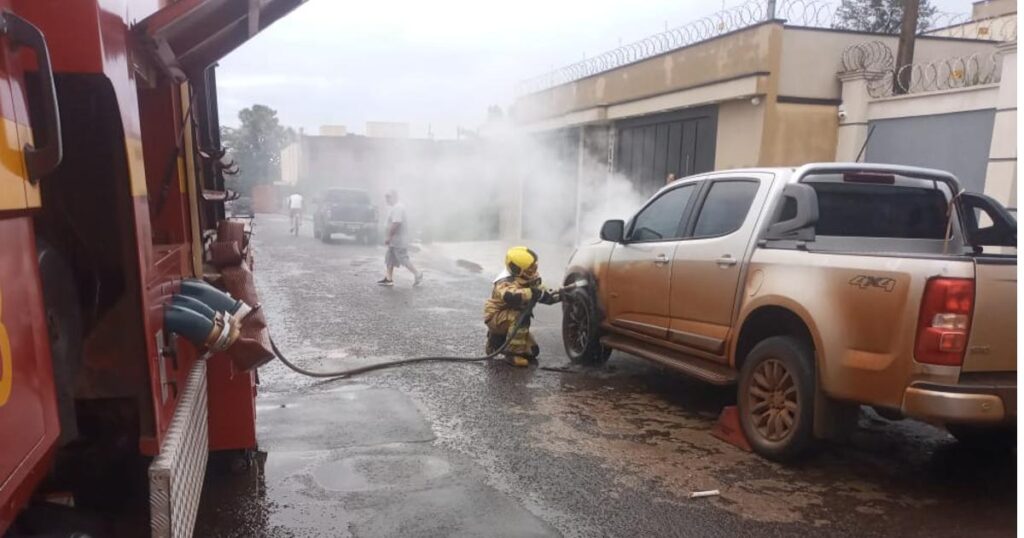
<point x="380" y="366"/>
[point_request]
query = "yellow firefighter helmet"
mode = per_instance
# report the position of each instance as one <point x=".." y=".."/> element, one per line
<point x="521" y="262"/>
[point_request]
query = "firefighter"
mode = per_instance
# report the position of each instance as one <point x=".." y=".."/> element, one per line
<point x="515" y="290"/>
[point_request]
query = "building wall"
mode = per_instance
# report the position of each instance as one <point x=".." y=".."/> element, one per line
<point x="777" y="92"/>
<point x="291" y="158"/>
<point x="738" y="54"/>
<point x="997" y="28"/>
<point x="812" y="56"/>
<point x="958" y="130"/>
<point x="958" y="142"/>
<point x="387" y="129"/>
<point x="740" y="130"/>
<point x="1001" y="179"/>
<point x="333" y="130"/>
<point x="992" y="8"/>
<point x="802" y="133"/>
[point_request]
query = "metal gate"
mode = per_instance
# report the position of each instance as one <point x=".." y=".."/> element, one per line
<point x="680" y="143"/>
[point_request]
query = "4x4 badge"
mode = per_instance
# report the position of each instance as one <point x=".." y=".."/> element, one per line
<point x="867" y="281"/>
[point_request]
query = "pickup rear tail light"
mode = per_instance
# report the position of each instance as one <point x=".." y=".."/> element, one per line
<point x="945" y="321"/>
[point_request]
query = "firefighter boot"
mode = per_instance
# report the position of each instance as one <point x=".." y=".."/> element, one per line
<point x="518" y="360"/>
<point x="519" y="348"/>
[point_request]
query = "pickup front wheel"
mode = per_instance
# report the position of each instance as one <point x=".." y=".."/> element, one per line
<point x="776" y="397"/>
<point x="581" y="328"/>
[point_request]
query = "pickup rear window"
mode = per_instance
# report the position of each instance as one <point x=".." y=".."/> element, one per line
<point x="909" y="209"/>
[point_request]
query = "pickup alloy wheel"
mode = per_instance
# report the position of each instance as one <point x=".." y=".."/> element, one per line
<point x="776" y="397"/>
<point x="773" y="400"/>
<point x="581" y="329"/>
<point x="577" y="331"/>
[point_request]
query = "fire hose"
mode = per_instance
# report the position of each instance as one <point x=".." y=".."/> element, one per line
<point x="520" y="320"/>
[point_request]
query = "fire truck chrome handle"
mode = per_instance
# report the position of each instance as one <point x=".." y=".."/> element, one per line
<point x="726" y="261"/>
<point x="39" y="160"/>
<point x="661" y="260"/>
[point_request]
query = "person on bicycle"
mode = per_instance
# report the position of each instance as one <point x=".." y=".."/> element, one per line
<point x="295" y="211"/>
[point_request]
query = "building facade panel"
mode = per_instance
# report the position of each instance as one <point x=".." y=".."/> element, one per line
<point x="957" y="142"/>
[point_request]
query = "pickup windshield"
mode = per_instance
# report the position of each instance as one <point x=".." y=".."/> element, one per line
<point x="893" y="207"/>
<point x="346" y="197"/>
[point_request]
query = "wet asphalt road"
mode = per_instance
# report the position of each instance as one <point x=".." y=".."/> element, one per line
<point x="484" y="449"/>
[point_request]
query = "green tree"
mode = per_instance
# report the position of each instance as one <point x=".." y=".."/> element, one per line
<point x="880" y="16"/>
<point x="256" y="146"/>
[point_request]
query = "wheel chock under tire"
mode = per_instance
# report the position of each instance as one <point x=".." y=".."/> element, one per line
<point x="728" y="428"/>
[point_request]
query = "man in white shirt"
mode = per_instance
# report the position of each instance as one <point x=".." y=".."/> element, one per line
<point x="397" y="242"/>
<point x="295" y="211"/>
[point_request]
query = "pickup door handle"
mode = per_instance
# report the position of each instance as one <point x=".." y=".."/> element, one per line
<point x="726" y="261"/>
<point x="661" y="259"/>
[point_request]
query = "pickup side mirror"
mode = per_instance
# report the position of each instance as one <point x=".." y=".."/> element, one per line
<point x="612" y="230"/>
<point x="796" y="214"/>
<point x="986" y="221"/>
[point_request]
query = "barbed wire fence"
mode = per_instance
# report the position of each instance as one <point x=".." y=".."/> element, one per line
<point x="806" y="13"/>
<point x="878" y="60"/>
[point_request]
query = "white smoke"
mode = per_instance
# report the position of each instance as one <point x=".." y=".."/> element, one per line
<point x="508" y="184"/>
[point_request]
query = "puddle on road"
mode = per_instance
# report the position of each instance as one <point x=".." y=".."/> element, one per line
<point x="367" y="473"/>
<point x="440" y="310"/>
<point x="646" y="440"/>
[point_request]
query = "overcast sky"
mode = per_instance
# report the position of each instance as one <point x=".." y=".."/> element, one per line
<point x="435" y="62"/>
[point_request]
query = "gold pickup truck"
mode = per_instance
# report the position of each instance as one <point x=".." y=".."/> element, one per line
<point x="814" y="290"/>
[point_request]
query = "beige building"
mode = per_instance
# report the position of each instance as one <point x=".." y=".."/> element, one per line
<point x="751" y="91"/>
<point x="333" y="130"/>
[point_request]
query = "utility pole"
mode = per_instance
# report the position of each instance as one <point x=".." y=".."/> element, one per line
<point x="769" y="11"/>
<point x="905" y="52"/>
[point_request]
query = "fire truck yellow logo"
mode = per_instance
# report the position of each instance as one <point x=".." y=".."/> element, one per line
<point x="6" y="360"/>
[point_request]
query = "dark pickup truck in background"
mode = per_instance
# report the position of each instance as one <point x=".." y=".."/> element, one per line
<point x="347" y="211"/>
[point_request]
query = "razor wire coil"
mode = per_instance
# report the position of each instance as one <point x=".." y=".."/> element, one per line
<point x="878" y="59"/>
<point x="806" y="13"/>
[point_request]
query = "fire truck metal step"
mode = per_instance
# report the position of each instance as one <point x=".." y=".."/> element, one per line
<point x="176" y="475"/>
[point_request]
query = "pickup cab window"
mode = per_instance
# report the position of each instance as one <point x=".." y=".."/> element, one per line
<point x="662" y="219"/>
<point x="725" y="208"/>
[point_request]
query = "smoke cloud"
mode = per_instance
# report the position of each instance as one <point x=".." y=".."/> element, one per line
<point x="506" y="184"/>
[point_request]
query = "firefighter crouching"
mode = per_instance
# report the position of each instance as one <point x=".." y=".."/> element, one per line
<point x="515" y="289"/>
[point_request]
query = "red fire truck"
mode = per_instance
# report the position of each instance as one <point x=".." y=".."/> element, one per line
<point x="129" y="325"/>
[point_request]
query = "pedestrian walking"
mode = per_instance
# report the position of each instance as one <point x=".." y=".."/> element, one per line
<point x="295" y="212"/>
<point x="396" y="240"/>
